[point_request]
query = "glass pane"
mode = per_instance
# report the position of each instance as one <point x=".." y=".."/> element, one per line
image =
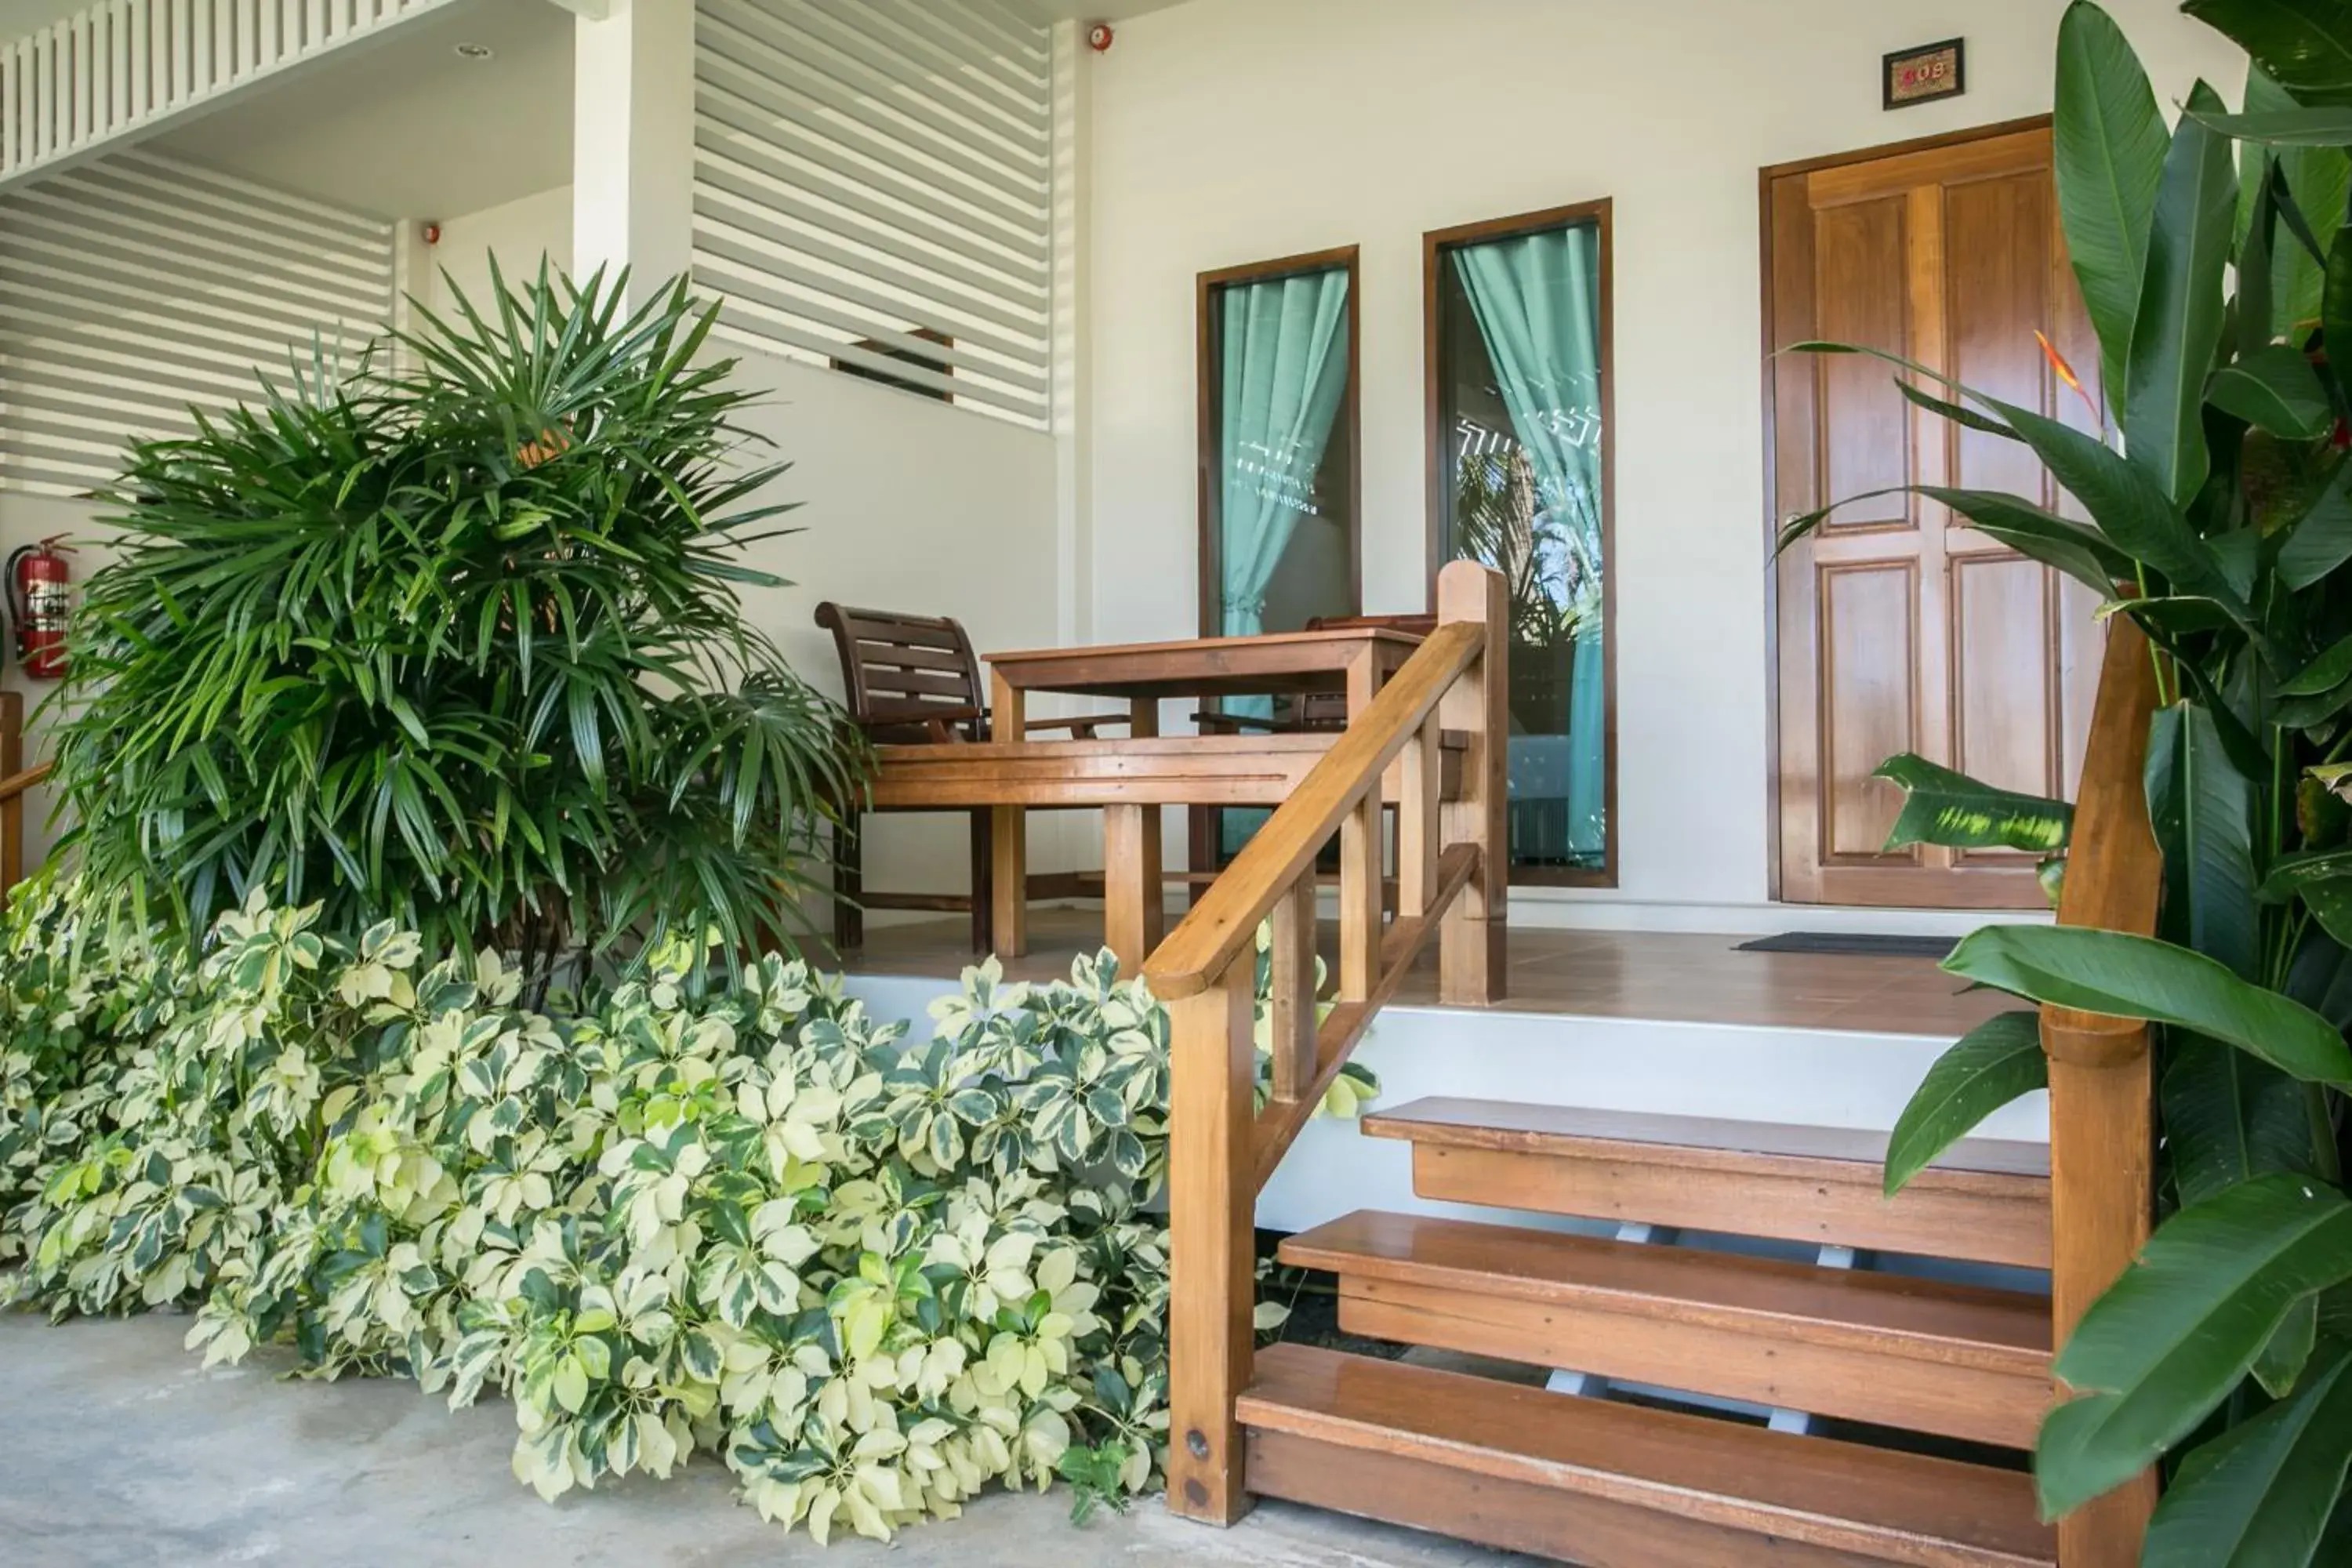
<point x="1284" y="508"/>
<point x="1520" y="384"/>
<point x="1283" y="512"/>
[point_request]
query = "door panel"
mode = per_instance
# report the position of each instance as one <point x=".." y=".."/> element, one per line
<point x="1900" y="628"/>
<point x="1857" y="255"/>
<point x="1868" y="703"/>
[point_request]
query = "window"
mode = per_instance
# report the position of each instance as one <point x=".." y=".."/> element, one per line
<point x="1518" y="325"/>
<point x="1278" y="537"/>
<point x="1279" y="544"/>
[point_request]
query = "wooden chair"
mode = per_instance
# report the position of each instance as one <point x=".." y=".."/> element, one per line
<point x="915" y="680"/>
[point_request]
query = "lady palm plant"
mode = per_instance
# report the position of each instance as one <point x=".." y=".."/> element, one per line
<point x="2222" y="523"/>
<point x="458" y="647"/>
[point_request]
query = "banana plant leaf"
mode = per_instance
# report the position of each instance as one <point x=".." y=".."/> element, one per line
<point x="2260" y="1495"/>
<point x="2321" y="539"/>
<point x="1998" y="1061"/>
<point x="2300" y="46"/>
<point x="2109" y="144"/>
<point x="2127" y="977"/>
<point x="2180" y="1330"/>
<point x="2281" y="127"/>
<point x="2216" y="845"/>
<point x="2031" y="531"/>
<point x="2229" y="1118"/>
<point x="2178" y="327"/>
<point x="2277" y="390"/>
<point x="1943" y="807"/>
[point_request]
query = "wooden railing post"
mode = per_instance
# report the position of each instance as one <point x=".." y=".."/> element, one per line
<point x="1211" y="1225"/>
<point x="12" y="804"/>
<point x="1470" y="942"/>
<point x="2101" y="1088"/>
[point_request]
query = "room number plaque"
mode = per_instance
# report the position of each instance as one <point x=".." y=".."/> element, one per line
<point x="1924" y="74"/>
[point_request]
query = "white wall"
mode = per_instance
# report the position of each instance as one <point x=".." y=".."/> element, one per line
<point x="26" y="519"/>
<point x="909" y="504"/>
<point x="519" y="233"/>
<point x="1233" y="131"/>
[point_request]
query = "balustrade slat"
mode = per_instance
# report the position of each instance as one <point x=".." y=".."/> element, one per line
<point x="1419" y="831"/>
<point x="1291" y="1012"/>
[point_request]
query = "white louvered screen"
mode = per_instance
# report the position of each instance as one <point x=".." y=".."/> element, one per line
<point x="125" y="67"/>
<point x="873" y="191"/>
<point x="133" y="286"/>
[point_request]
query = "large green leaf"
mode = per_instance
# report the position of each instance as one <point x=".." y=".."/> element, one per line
<point x="2108" y="145"/>
<point x="2284" y="127"/>
<point x="2321" y="540"/>
<point x="2277" y="390"/>
<point x="2139" y="977"/>
<point x="2029" y="530"/>
<point x="1943" y="807"/>
<point x="2305" y="46"/>
<point x="2178" y="327"/>
<point x="1998" y="1061"/>
<point x="2229" y="1118"/>
<point x="2260" y="1496"/>
<point x="2128" y="503"/>
<point x="2218" y="833"/>
<point x="2182" y="1327"/>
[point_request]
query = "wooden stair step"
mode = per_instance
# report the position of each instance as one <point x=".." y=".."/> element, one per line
<point x="1614" y="1486"/>
<point x="1956" y="1360"/>
<point x="1986" y="1200"/>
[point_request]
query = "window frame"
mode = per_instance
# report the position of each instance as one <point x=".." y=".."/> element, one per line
<point x="1435" y="243"/>
<point x="1209" y="380"/>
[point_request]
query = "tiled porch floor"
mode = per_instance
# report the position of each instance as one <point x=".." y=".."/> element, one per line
<point x="1674" y="977"/>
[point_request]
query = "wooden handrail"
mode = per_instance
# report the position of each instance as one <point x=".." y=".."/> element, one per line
<point x="1223" y="924"/>
<point x="1450" y="858"/>
<point x="18" y="783"/>
<point x="2102" y="1080"/>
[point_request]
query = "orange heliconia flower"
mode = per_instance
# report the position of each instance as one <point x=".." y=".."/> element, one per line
<point x="2066" y="374"/>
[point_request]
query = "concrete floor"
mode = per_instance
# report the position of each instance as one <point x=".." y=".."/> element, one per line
<point x="116" y="1450"/>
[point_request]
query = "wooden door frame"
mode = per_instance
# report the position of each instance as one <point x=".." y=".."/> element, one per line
<point x="1434" y="245"/>
<point x="1765" y="179"/>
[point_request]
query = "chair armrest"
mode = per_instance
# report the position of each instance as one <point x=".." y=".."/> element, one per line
<point x="1081" y="726"/>
<point x="1235" y="723"/>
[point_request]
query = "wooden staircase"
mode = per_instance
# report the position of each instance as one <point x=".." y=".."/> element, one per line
<point x="1614" y="1486"/>
<point x="1591" y="1480"/>
<point x="1621" y="1486"/>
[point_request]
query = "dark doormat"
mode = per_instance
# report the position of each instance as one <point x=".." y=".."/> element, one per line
<point x="1865" y="943"/>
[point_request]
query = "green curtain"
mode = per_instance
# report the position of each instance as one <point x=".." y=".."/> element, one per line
<point x="1536" y="300"/>
<point x="1285" y="342"/>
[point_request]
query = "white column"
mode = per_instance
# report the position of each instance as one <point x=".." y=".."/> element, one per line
<point x="1072" y="328"/>
<point x="632" y="143"/>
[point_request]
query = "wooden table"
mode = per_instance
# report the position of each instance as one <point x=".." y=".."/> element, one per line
<point x="1355" y="660"/>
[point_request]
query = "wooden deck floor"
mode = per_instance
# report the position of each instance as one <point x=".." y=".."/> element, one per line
<point x="1609" y="975"/>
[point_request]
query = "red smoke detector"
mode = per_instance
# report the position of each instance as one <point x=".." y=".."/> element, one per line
<point x="1098" y="38"/>
<point x="432" y="234"/>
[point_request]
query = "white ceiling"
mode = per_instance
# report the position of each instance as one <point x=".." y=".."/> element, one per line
<point x="1090" y="10"/>
<point x="405" y="127"/>
<point x="18" y="17"/>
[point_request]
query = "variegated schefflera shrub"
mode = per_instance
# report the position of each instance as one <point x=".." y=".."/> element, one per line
<point x="750" y="1221"/>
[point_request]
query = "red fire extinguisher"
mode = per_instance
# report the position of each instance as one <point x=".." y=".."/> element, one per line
<point x="39" y="601"/>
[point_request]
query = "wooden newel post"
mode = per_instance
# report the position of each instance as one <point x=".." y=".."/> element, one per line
<point x="1213" y="1262"/>
<point x="2102" y="1081"/>
<point x="1473" y="937"/>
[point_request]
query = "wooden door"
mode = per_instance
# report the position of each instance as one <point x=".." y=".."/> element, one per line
<point x="1899" y="627"/>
